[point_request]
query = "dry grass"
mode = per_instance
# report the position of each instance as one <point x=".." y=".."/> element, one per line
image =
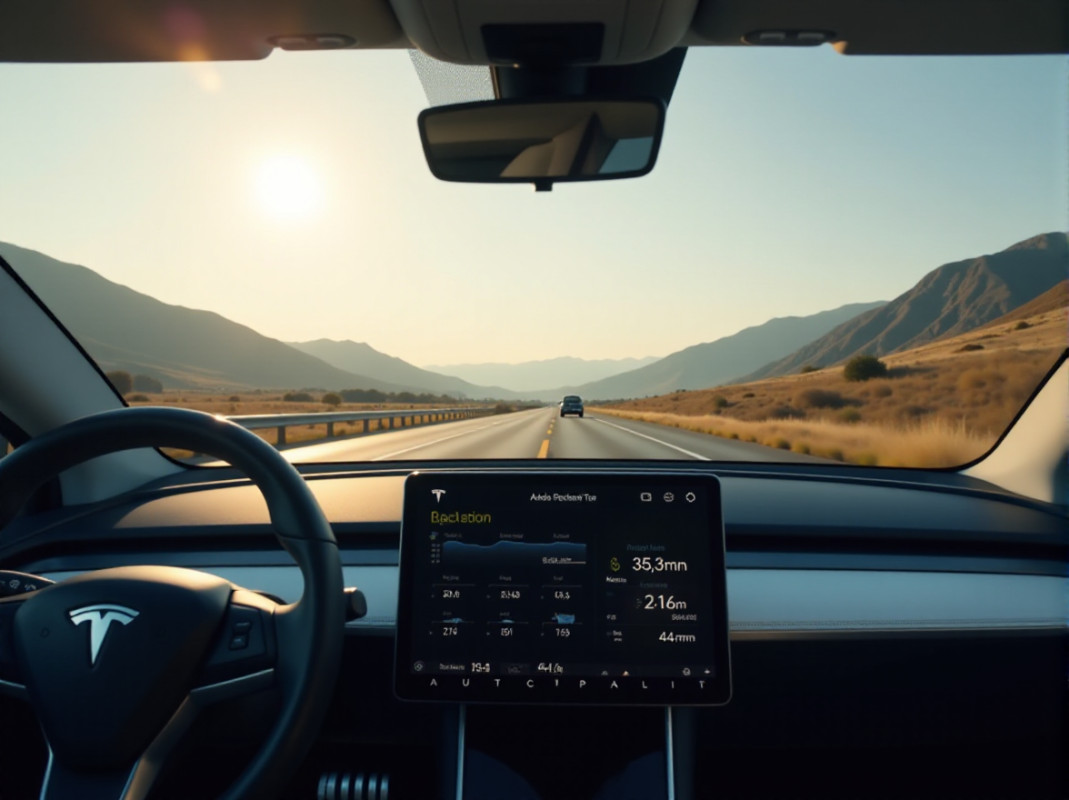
<point x="942" y="404"/>
<point x="929" y="443"/>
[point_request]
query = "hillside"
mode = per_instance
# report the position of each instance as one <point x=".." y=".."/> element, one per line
<point x="949" y="300"/>
<point x="717" y="362"/>
<point x="181" y="347"/>
<point x="531" y="376"/>
<point x="942" y="404"/>
<point x="362" y="358"/>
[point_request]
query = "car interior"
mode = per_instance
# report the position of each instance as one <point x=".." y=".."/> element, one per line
<point x="660" y="629"/>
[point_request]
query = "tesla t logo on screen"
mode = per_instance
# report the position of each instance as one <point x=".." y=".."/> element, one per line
<point x="438" y="494"/>
<point x="100" y="619"/>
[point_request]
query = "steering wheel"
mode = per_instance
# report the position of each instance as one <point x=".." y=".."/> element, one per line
<point x="117" y="662"/>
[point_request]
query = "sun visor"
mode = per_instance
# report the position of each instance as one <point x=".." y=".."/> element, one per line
<point x="196" y="30"/>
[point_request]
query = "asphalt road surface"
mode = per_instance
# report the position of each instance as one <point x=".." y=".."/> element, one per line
<point x="540" y="433"/>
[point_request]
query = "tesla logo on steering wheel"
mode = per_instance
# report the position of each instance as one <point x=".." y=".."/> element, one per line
<point x="100" y="618"/>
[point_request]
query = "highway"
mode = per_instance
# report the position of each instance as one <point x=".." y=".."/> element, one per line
<point x="539" y="433"/>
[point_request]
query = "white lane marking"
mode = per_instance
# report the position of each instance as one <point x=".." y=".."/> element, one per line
<point x="690" y="453"/>
<point x="439" y="441"/>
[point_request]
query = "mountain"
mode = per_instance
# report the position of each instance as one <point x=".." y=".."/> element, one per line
<point x="949" y="300"/>
<point x="181" y="347"/>
<point x="1051" y="300"/>
<point x="365" y="359"/>
<point x="529" y="376"/>
<point x="713" y="363"/>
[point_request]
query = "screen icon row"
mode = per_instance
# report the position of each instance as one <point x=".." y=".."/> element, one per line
<point x="668" y="497"/>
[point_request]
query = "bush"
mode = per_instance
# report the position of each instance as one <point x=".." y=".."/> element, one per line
<point x="883" y="391"/>
<point x="785" y="412"/>
<point x="720" y="401"/>
<point x="849" y="416"/>
<point x="298" y="397"/>
<point x="970" y="347"/>
<point x="749" y="394"/>
<point x="863" y="368"/>
<point x="137" y="398"/>
<point x="331" y="399"/>
<point x="121" y="380"/>
<point x="913" y="411"/>
<point x="503" y="408"/>
<point x="807" y="369"/>
<point x="234" y="399"/>
<point x="1022" y="325"/>
<point x="146" y="383"/>
<point x="820" y="398"/>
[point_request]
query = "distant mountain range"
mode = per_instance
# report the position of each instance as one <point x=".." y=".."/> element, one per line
<point x="362" y="358"/>
<point x="187" y="348"/>
<point x="949" y="300"/>
<point x="713" y="363"/>
<point x="532" y="376"/>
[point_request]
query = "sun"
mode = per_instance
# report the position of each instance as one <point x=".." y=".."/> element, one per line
<point x="288" y="187"/>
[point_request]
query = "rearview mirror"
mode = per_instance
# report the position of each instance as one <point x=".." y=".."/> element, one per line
<point x="542" y="142"/>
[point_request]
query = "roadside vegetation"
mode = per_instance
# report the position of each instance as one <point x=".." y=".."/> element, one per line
<point x="303" y="401"/>
<point x="939" y="405"/>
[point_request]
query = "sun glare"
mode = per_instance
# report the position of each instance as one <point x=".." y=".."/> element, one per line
<point x="289" y="188"/>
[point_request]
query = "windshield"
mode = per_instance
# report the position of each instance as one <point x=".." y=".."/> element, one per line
<point x="836" y="259"/>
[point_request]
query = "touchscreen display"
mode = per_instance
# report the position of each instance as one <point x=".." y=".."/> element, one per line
<point x="562" y="587"/>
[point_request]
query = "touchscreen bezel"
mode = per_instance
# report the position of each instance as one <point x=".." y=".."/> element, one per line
<point x="668" y="690"/>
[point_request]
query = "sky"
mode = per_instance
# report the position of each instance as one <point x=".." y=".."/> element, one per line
<point x="291" y="195"/>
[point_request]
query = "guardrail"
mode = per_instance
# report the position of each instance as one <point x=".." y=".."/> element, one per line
<point x="389" y="419"/>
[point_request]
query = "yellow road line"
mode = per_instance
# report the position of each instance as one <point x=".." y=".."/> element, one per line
<point x="543" y="451"/>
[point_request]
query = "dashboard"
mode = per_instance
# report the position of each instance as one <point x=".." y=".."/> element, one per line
<point x="880" y="633"/>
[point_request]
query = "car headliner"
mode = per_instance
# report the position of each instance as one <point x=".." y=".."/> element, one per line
<point x="159" y="30"/>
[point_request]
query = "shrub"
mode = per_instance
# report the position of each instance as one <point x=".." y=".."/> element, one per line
<point x="913" y="411"/>
<point x="749" y="394"/>
<point x="849" y="416"/>
<point x="785" y="412"/>
<point x="782" y="444"/>
<point x="331" y="399"/>
<point x="121" y="380"/>
<point x="720" y="401"/>
<point x="1022" y="325"/>
<point x="233" y="399"/>
<point x="503" y="408"/>
<point x="363" y="396"/>
<point x="969" y="348"/>
<point x="137" y="398"/>
<point x="146" y="383"/>
<point x="863" y="368"/>
<point x="298" y="397"/>
<point x="807" y="369"/>
<point x="883" y="391"/>
<point x="820" y="398"/>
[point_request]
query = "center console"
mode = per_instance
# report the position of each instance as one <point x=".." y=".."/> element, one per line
<point x="565" y="614"/>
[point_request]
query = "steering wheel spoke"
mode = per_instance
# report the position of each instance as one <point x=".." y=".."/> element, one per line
<point x="243" y="657"/>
